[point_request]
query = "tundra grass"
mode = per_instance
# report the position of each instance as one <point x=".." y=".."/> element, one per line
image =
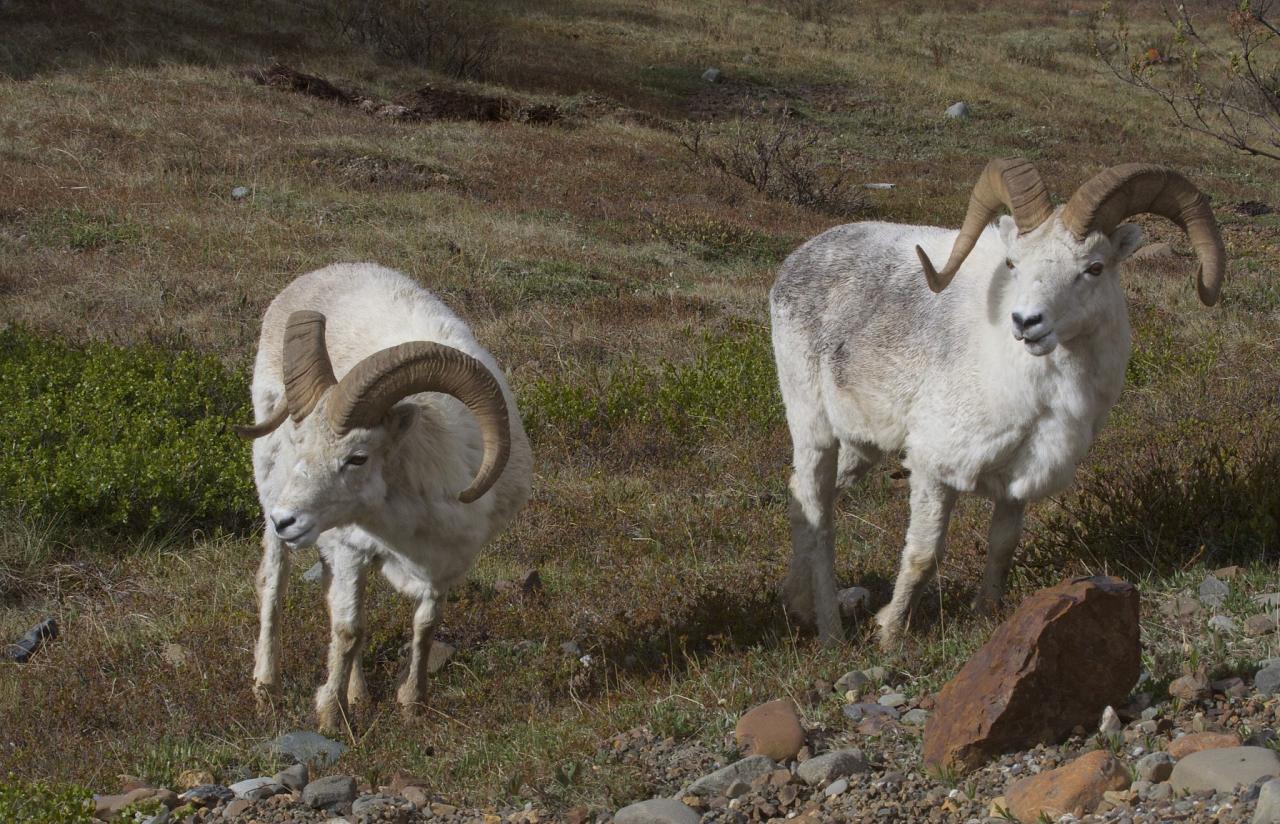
<point x="624" y="289"/>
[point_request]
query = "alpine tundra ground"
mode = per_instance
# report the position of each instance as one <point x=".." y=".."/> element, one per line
<point x="621" y="279"/>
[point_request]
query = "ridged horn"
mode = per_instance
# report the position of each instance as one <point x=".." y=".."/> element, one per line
<point x="1011" y="182"/>
<point x="307" y="371"/>
<point x="271" y="424"/>
<point x="366" y="393"/>
<point x="1113" y="195"/>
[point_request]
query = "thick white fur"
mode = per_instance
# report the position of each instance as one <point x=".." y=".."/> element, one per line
<point x="871" y="362"/>
<point x="399" y="511"/>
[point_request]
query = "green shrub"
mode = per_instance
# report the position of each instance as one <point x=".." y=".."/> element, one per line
<point x="27" y="802"/>
<point x="121" y="439"/>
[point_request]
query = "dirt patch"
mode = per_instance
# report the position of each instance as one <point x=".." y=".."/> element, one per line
<point x="428" y="102"/>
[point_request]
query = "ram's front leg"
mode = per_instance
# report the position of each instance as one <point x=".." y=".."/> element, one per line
<point x="273" y="574"/>
<point x="347" y="628"/>
<point x="413" y="692"/>
<point x="931" y="504"/>
<point x="1002" y="540"/>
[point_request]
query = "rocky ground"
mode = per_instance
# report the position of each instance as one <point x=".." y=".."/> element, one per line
<point x="1196" y="750"/>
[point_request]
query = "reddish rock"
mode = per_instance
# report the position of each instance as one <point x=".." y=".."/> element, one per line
<point x="1197" y="741"/>
<point x="1074" y="789"/>
<point x="770" y="729"/>
<point x="1064" y="655"/>
<point x="403" y="780"/>
<point x="1194" y="687"/>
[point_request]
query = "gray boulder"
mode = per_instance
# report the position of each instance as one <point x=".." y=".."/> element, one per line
<point x="958" y="111"/>
<point x="832" y="765"/>
<point x="718" y="782"/>
<point x="256" y="789"/>
<point x="1213" y="592"/>
<point x="1155" y="767"/>
<point x="657" y="811"/>
<point x="330" y="792"/>
<point x="1222" y="770"/>
<point x="1268" y="809"/>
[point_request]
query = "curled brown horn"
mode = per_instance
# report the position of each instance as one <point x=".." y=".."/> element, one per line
<point x="1113" y="195"/>
<point x="1011" y="182"/>
<point x="366" y="393"/>
<point x="307" y="371"/>
<point x="266" y="427"/>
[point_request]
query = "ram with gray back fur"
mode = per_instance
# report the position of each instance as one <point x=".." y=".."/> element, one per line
<point x="994" y="374"/>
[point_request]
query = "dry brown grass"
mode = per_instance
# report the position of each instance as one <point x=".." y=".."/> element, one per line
<point x="577" y="250"/>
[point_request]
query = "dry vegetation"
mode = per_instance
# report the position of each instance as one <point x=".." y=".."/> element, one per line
<point x="619" y="283"/>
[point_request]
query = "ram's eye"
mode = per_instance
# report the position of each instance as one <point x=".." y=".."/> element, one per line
<point x="358" y="459"/>
<point x="1094" y="269"/>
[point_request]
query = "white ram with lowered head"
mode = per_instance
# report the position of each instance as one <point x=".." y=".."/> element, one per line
<point x="994" y="374"/>
<point x="389" y="439"/>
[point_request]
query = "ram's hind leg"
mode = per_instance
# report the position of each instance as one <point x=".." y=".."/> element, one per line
<point x="810" y="586"/>
<point x="273" y="573"/>
<point x="931" y="505"/>
<point x="412" y="694"/>
<point x="1002" y="540"/>
<point x="347" y="630"/>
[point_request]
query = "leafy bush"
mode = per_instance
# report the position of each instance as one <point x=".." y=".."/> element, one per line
<point x="34" y="802"/>
<point x="727" y="387"/>
<point x="121" y="439"/>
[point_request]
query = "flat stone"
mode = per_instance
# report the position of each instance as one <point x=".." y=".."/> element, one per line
<point x="256" y="789"/>
<point x="1193" y="687"/>
<point x="771" y="729"/>
<point x="1222" y="770"/>
<point x="712" y="75"/>
<point x="893" y="699"/>
<point x="1064" y="655"/>
<point x="1183" y="606"/>
<point x="854" y="601"/>
<point x="293" y="778"/>
<point x="1213" y="592"/>
<point x="30" y="643"/>
<point x="1199" y="741"/>
<point x="329" y="792"/>
<point x="836" y="787"/>
<point x="915" y="718"/>
<point x="381" y="807"/>
<point x="236" y="807"/>
<point x="958" y="111"/>
<point x="305" y="747"/>
<point x="1160" y="792"/>
<point x="831" y="766"/>
<point x="859" y="712"/>
<point x="207" y="795"/>
<point x="1259" y="625"/>
<point x="1073" y="789"/>
<point x="657" y="811"/>
<point x="1267" y="681"/>
<point x="716" y="783"/>
<point x="1154" y="767"/>
<point x="1222" y="624"/>
<point x="417" y="796"/>
<point x="1267" y="810"/>
<point x="1228" y="573"/>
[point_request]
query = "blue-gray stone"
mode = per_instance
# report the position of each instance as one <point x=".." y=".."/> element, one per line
<point x="1267" y="681"/>
<point x="958" y="111"/>
<point x="330" y="792"/>
<point x="831" y="766"/>
<point x="1213" y="592"/>
<point x="657" y="811"/>
<point x="718" y="782"/>
<point x="256" y="789"/>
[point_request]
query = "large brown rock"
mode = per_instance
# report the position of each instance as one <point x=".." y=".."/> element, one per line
<point x="771" y="729"/>
<point x="1073" y="789"/>
<point x="1064" y="655"/>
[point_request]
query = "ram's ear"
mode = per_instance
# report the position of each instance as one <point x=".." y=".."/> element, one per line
<point x="1007" y="229"/>
<point x="1125" y="240"/>
<point x="400" y="418"/>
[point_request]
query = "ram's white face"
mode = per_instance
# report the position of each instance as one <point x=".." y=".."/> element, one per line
<point x="335" y="479"/>
<point x="1060" y="287"/>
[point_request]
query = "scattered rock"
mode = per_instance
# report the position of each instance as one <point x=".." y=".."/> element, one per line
<point x="859" y="712"/>
<point x="256" y="789"/>
<point x="893" y="699"/>
<point x="1065" y="654"/>
<point x="1153" y="252"/>
<point x="878" y="185"/>
<point x="237" y="807"/>
<point x="30" y="643"/>
<point x="1222" y="624"/>
<point x="1154" y="767"/>
<point x="1199" y="741"/>
<point x="1193" y="687"/>
<point x="305" y="747"/>
<point x="417" y="796"/>
<point x="717" y="782"/>
<point x="836" y="787"/>
<point x="315" y="574"/>
<point x="240" y="193"/>
<point x="439" y="655"/>
<point x="329" y="792"/>
<point x="855" y="681"/>
<point x="1221" y="770"/>
<point x="712" y="75"/>
<point x="657" y="811"/>
<point x="916" y="717"/>
<point x="1259" y="625"/>
<point x="381" y="807"/>
<point x="1183" y="606"/>
<point x="1213" y="592"/>
<point x="293" y="778"/>
<point x="771" y="729"/>
<point x="1074" y="789"/>
<point x="207" y="795"/>
<point x="1267" y="810"/>
<point x="1251" y="208"/>
<point x="831" y="766"/>
<point x="958" y="111"/>
<point x="854" y="600"/>
<point x="1267" y="681"/>
<point x="1110" y="721"/>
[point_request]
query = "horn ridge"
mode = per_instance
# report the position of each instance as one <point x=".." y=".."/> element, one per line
<point x="308" y="374"/>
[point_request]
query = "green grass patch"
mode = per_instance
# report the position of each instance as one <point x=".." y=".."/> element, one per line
<point x="35" y="802"/>
<point x="122" y="440"/>
<point x="84" y="231"/>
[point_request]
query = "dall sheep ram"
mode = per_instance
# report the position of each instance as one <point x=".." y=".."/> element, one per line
<point x="997" y="385"/>
<point x="388" y="438"/>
